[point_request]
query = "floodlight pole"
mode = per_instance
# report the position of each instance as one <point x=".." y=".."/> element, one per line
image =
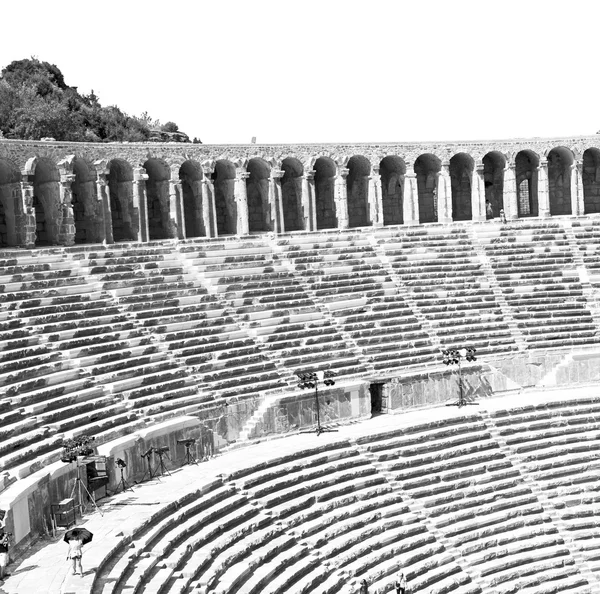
<point x="308" y="380"/>
<point x="455" y="357"/>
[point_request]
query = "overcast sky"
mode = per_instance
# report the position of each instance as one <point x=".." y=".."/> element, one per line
<point x="326" y="70"/>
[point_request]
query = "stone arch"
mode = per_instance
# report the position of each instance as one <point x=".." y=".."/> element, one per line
<point x="591" y="181"/>
<point x="325" y="172"/>
<point x="87" y="211"/>
<point x="160" y="225"/>
<point x="257" y="195"/>
<point x="494" y="163"/>
<point x="225" y="204"/>
<point x="392" y="171"/>
<point x="357" y="191"/>
<point x="10" y="194"/>
<point x="291" y="193"/>
<point x="427" y="168"/>
<point x="461" y="181"/>
<point x="526" y="175"/>
<point x="560" y="160"/>
<point x="191" y="176"/>
<point x="46" y="201"/>
<point x="124" y="217"/>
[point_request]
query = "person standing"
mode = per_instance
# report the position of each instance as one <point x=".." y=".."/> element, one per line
<point x="4" y="559"/>
<point x="400" y="584"/>
<point x="75" y="546"/>
<point x="364" y="587"/>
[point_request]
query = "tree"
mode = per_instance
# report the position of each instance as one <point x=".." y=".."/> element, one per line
<point x="170" y="127"/>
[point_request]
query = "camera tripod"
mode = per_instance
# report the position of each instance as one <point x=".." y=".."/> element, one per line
<point x="160" y="467"/>
<point x="122" y="483"/>
<point x="80" y="487"/>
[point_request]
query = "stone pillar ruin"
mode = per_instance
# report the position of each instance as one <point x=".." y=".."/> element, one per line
<point x="241" y="199"/>
<point x="478" y="207"/>
<point x="341" y="198"/>
<point x="444" y="194"/>
<point x="209" y="220"/>
<point x="275" y="202"/>
<point x="577" y="197"/>
<point x="140" y="204"/>
<point x="104" y="199"/>
<point x="511" y="207"/>
<point x="66" y="229"/>
<point x="374" y="197"/>
<point x="25" y="221"/>
<point x="542" y="189"/>
<point x="309" y="209"/>
<point x="411" y="199"/>
<point x="176" y="211"/>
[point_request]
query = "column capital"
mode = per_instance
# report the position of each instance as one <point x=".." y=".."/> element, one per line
<point x="67" y="178"/>
<point x="139" y="174"/>
<point x="242" y="174"/>
<point x="309" y="174"/>
<point x="374" y="171"/>
<point x="343" y="171"/>
<point x="277" y="173"/>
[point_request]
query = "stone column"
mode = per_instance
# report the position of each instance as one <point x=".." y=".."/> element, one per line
<point x="444" y="194"/>
<point x="410" y="200"/>
<point x="509" y="192"/>
<point x="542" y="189"/>
<point x="209" y="222"/>
<point x="478" y="209"/>
<point x="577" y="200"/>
<point x="25" y="220"/>
<point x="10" y="196"/>
<point x="241" y="201"/>
<point x="374" y="197"/>
<point x="341" y="197"/>
<point x="140" y="204"/>
<point x="275" y="201"/>
<point x="309" y="207"/>
<point x="103" y="190"/>
<point x="66" y="224"/>
<point x="176" y="211"/>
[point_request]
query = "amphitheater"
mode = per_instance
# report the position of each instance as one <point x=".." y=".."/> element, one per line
<point x="153" y="294"/>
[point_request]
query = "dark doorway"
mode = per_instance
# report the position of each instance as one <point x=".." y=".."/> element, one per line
<point x="376" y="391"/>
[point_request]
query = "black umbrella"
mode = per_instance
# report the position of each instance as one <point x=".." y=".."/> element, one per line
<point x="81" y="534"/>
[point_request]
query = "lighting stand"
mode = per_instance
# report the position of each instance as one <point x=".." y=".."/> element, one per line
<point x="148" y="472"/>
<point x="160" y="467"/>
<point x="189" y="459"/>
<point x="455" y="357"/>
<point x="80" y="487"/>
<point x="122" y="483"/>
<point x="311" y="379"/>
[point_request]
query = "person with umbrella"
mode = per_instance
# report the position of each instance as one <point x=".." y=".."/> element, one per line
<point x="76" y="538"/>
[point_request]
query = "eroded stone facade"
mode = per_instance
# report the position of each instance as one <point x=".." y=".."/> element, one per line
<point x="60" y="193"/>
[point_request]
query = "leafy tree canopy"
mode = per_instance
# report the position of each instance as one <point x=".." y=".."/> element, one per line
<point x="35" y="102"/>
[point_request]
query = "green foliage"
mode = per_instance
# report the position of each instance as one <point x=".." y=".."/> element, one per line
<point x="35" y="103"/>
<point x="170" y="127"/>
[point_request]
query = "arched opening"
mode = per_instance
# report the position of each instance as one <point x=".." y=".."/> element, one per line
<point x="190" y="174"/>
<point x="226" y="209"/>
<point x="257" y="195"/>
<point x="526" y="164"/>
<point x="392" y="171"/>
<point x="461" y="180"/>
<point x="46" y="202"/>
<point x="357" y="191"/>
<point x="325" y="170"/>
<point x="427" y="168"/>
<point x="87" y="212"/>
<point x="493" y="178"/>
<point x="291" y="194"/>
<point x="591" y="181"/>
<point x="10" y="192"/>
<point x="157" y="199"/>
<point x="560" y="160"/>
<point x="124" y="216"/>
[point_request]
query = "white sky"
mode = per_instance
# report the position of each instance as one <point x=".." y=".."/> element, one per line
<point x="326" y="70"/>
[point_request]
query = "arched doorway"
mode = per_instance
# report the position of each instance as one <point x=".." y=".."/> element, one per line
<point x="494" y="163"/>
<point x="124" y="218"/>
<point x="357" y="191"/>
<point x="291" y="193"/>
<point x="591" y="181"/>
<point x="325" y="170"/>
<point x="160" y="225"/>
<point x="461" y="180"/>
<point x="225" y="206"/>
<point x="257" y="195"/>
<point x="191" y="174"/>
<point x="46" y="202"/>
<point x="526" y="164"/>
<point x="392" y="170"/>
<point x="427" y="168"/>
<point x="87" y="212"/>
<point x="560" y="160"/>
<point x="10" y="193"/>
